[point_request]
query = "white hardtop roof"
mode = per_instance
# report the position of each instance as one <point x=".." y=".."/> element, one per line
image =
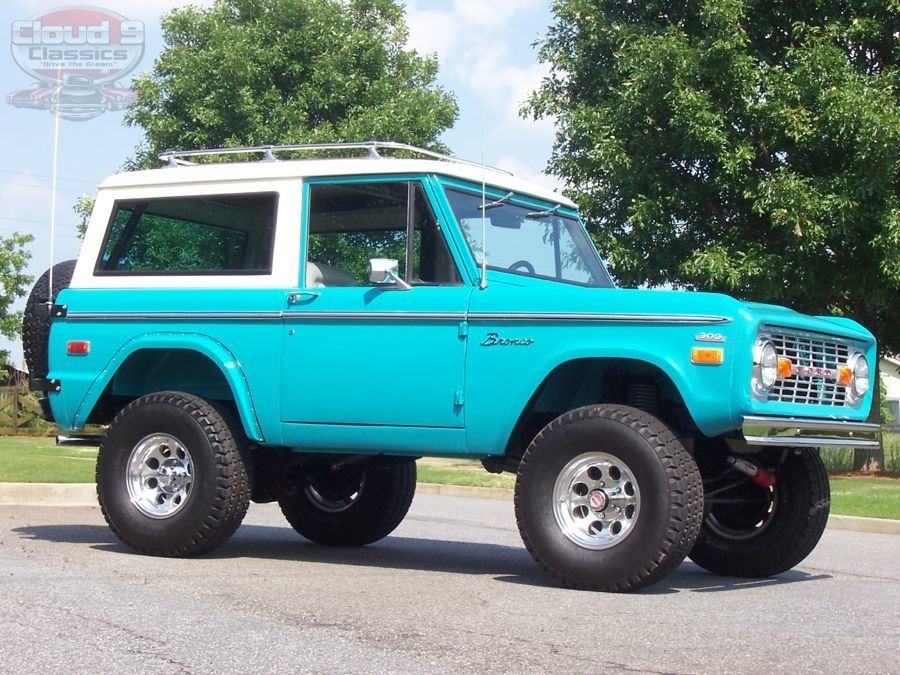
<point x="316" y="168"/>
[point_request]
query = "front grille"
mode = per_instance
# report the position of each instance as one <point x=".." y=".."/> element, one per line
<point x="811" y="352"/>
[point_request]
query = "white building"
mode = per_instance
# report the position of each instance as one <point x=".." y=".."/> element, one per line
<point x="889" y="369"/>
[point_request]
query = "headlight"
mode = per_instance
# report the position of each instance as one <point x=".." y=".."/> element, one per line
<point x="860" y="367"/>
<point x="765" y="364"/>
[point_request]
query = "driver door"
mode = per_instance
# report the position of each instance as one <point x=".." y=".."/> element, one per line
<point x="363" y="354"/>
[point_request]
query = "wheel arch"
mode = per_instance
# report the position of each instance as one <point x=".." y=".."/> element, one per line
<point x="156" y="362"/>
<point x="634" y="380"/>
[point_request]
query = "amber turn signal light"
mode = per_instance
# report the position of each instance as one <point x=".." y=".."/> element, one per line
<point x="708" y="355"/>
<point x="785" y="367"/>
<point x="845" y="375"/>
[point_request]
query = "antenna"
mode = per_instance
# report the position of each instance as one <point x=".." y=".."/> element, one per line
<point x="483" y="283"/>
<point x="53" y="190"/>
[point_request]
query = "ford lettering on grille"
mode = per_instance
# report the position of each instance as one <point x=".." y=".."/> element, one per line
<point x="816" y="361"/>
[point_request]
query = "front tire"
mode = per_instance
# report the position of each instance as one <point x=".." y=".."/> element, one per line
<point x="608" y="499"/>
<point x="172" y="475"/>
<point x="353" y="506"/>
<point x="753" y="531"/>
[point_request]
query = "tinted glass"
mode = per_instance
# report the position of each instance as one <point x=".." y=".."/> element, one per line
<point x="221" y="234"/>
<point x="527" y="240"/>
<point x="350" y="223"/>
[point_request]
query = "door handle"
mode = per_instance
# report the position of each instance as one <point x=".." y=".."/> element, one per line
<point x="297" y="297"/>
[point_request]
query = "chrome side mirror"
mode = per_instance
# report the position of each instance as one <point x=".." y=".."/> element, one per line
<point x="383" y="271"/>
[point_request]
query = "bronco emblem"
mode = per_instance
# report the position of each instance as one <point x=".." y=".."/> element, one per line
<point x="494" y="340"/>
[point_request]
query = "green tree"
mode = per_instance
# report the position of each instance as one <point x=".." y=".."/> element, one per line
<point x="14" y="282"/>
<point x="884" y="411"/>
<point x="744" y="146"/>
<point x="254" y="72"/>
<point x="83" y="207"/>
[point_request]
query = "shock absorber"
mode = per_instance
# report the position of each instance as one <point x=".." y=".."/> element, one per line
<point x="758" y="474"/>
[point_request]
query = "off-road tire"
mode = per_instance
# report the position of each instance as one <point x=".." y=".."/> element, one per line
<point x="220" y="492"/>
<point x="380" y="506"/>
<point x="36" y="317"/>
<point x="802" y="500"/>
<point x="667" y="478"/>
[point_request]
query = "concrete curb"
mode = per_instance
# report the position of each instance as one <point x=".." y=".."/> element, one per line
<point x="85" y="494"/>
<point x="857" y="524"/>
<point x="48" y="494"/>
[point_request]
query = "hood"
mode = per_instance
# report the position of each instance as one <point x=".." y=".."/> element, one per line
<point x="527" y="294"/>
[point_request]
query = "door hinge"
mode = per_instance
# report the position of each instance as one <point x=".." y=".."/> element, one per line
<point x="463" y="329"/>
<point x="459" y="398"/>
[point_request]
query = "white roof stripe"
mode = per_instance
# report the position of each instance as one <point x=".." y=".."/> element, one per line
<point x="316" y="168"/>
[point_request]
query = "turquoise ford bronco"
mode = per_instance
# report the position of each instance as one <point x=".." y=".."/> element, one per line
<point x="297" y="325"/>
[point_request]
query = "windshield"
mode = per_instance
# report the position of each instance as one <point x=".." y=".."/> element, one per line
<point x="528" y="240"/>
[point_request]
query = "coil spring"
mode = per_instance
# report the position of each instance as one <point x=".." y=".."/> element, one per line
<point x="643" y="397"/>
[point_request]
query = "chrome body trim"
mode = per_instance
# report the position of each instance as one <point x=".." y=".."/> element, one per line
<point x="601" y="318"/>
<point x="376" y="316"/>
<point x="799" y="432"/>
<point x="400" y="316"/>
<point x="174" y="316"/>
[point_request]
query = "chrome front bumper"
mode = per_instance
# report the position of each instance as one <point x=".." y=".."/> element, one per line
<point x="799" y="432"/>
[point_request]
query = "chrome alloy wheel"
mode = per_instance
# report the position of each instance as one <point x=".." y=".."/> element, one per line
<point x="159" y="475"/>
<point x="596" y="500"/>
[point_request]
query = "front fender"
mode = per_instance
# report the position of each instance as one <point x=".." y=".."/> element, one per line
<point x="493" y="409"/>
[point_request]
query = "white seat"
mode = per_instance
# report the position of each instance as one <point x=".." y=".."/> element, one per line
<point x="319" y="274"/>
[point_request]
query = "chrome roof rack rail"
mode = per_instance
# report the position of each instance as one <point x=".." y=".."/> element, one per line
<point x="269" y="152"/>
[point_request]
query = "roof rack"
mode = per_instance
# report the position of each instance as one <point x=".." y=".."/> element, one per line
<point x="269" y="152"/>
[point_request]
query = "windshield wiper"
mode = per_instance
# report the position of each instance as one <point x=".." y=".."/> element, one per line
<point x="543" y="214"/>
<point x="497" y="202"/>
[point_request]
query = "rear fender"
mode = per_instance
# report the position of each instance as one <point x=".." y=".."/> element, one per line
<point x="212" y="349"/>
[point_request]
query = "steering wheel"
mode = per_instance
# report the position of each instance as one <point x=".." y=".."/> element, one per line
<point x="522" y="263"/>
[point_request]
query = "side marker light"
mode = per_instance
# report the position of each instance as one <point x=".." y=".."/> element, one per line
<point x="712" y="356"/>
<point x="78" y="347"/>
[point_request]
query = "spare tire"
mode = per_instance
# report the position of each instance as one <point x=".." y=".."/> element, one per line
<point x="36" y="317"/>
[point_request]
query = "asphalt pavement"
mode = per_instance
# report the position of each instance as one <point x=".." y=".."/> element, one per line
<point x="453" y="590"/>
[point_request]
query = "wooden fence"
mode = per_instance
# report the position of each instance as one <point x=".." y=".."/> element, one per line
<point x="18" y="409"/>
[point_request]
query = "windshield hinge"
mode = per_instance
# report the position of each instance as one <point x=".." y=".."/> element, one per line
<point x="463" y="329"/>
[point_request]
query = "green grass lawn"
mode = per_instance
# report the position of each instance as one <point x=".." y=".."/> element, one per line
<point x="39" y="460"/>
<point x="869" y="497"/>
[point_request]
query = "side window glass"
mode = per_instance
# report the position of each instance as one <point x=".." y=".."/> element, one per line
<point x="351" y="223"/>
<point x="221" y="234"/>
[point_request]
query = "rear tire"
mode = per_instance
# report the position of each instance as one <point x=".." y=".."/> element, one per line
<point x="353" y="506"/>
<point x="172" y="476"/>
<point x="771" y="529"/>
<point x="36" y="317"/>
<point x="607" y="499"/>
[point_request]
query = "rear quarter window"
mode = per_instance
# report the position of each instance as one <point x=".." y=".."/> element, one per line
<point x="215" y="234"/>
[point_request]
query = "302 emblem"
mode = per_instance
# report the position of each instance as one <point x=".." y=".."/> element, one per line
<point x="709" y="337"/>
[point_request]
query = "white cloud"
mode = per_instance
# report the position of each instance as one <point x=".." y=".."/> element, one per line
<point x="474" y="45"/>
<point x="522" y="170"/>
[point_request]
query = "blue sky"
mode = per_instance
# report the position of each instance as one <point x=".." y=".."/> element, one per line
<point x="486" y="57"/>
